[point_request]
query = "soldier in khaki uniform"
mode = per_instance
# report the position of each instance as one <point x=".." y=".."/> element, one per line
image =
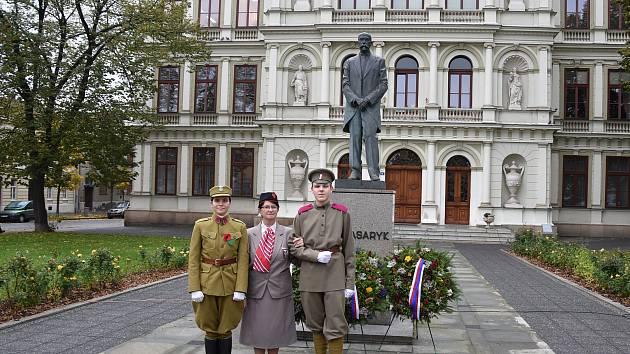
<point x="217" y="272"/>
<point x="327" y="269"/>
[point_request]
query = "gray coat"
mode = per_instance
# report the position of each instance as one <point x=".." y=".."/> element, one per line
<point x="278" y="280"/>
<point x="372" y="85"/>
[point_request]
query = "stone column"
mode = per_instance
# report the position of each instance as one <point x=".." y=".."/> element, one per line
<point x="187" y="83"/>
<point x="224" y="84"/>
<point x="222" y="172"/>
<point x="487" y="172"/>
<point x="325" y="75"/>
<point x="227" y="14"/>
<point x="555" y="94"/>
<point x="184" y="168"/>
<point x="268" y="164"/>
<point x="430" y="172"/>
<point x="146" y="169"/>
<point x="322" y="153"/>
<point x="136" y="185"/>
<point x="596" y="178"/>
<point x="542" y="176"/>
<point x="433" y="55"/>
<point x="379" y="48"/>
<point x="598" y="91"/>
<point x="273" y="64"/>
<point x="542" y="77"/>
<point x="488" y="74"/>
<point x="600" y="8"/>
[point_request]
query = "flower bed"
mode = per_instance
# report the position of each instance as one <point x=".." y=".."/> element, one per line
<point x="383" y="283"/>
<point x="607" y="270"/>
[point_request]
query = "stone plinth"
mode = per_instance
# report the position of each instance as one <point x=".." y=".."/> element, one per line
<point x="372" y="215"/>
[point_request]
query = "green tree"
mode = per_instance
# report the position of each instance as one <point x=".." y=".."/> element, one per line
<point x="74" y="73"/>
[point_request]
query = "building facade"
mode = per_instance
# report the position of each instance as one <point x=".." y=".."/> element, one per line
<point x="513" y="108"/>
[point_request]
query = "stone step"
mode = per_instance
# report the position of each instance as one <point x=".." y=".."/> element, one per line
<point x="452" y="233"/>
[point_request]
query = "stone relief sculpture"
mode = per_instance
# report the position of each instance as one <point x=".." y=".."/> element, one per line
<point x="300" y="87"/>
<point x="515" y="90"/>
<point x="513" y="178"/>
<point x="297" y="171"/>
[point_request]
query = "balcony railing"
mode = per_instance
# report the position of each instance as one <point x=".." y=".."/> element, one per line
<point x="204" y="119"/>
<point x="575" y="126"/>
<point x="168" y="118"/>
<point x="404" y="114"/>
<point x="336" y="113"/>
<point x="460" y="115"/>
<point x="243" y="119"/>
<point x="246" y="34"/>
<point x="616" y="127"/>
<point x="617" y="36"/>
<point x="576" y="35"/>
<point x="406" y="16"/>
<point x="352" y="16"/>
<point x="210" y="34"/>
<point x="461" y="16"/>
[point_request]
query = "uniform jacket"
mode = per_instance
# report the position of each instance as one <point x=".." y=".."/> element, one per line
<point x="369" y="83"/>
<point x="208" y="240"/>
<point x="278" y="280"/>
<point x="323" y="228"/>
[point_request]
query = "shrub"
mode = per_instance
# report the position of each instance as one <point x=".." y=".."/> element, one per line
<point x="101" y="269"/>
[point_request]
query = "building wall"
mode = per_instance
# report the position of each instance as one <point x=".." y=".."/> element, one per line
<point x="497" y="38"/>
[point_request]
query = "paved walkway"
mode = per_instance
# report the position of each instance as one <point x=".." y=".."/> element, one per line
<point x="570" y="320"/>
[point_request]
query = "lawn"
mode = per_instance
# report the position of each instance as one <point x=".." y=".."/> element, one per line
<point x="40" y="247"/>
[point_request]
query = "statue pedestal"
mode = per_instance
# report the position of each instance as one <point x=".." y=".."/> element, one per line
<point x="372" y="214"/>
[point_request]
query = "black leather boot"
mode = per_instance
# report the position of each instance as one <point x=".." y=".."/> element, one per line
<point x="225" y="346"/>
<point x="212" y="346"/>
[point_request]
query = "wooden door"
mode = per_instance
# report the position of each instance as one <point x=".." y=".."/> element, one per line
<point x="457" y="208"/>
<point x="404" y="175"/>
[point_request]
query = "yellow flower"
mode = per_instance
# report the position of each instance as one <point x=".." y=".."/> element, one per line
<point x="93" y="252"/>
<point x="79" y="255"/>
<point x="74" y="277"/>
<point x="368" y="290"/>
<point x="140" y="246"/>
<point x="408" y="259"/>
<point x="60" y="267"/>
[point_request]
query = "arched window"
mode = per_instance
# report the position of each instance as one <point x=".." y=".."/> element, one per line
<point x="460" y="83"/>
<point x="342" y="99"/>
<point x="343" y="167"/>
<point x="406" y="83"/>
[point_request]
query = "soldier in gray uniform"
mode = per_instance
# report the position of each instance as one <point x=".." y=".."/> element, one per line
<point x="327" y="268"/>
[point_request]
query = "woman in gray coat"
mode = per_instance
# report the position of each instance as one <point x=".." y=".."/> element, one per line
<point x="268" y="320"/>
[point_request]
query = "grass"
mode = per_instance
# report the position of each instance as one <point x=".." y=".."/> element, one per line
<point x="40" y="247"/>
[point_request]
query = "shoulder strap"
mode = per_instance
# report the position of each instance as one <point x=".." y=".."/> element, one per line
<point x="342" y="208"/>
<point x="305" y="208"/>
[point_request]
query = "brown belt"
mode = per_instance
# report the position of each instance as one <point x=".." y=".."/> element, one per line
<point x="219" y="261"/>
<point x="333" y="249"/>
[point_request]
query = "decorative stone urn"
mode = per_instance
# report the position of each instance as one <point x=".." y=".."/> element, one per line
<point x="297" y="172"/>
<point x="488" y="219"/>
<point x="513" y="177"/>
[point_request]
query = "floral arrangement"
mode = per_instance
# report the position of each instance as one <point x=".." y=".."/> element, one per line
<point x="438" y="286"/>
<point x="383" y="283"/>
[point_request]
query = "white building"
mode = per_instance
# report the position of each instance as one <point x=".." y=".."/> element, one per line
<point x="457" y="127"/>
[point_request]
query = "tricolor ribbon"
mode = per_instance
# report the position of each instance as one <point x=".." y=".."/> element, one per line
<point x="354" y="306"/>
<point x="416" y="289"/>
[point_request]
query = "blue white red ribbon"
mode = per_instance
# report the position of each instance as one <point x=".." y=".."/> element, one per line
<point x="354" y="306"/>
<point x="415" y="292"/>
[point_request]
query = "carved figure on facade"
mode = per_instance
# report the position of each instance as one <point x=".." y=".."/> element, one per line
<point x="300" y="87"/>
<point x="297" y="171"/>
<point x="515" y="90"/>
<point x="513" y="178"/>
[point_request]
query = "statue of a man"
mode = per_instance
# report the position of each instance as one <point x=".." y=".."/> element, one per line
<point x="516" y="90"/>
<point x="300" y="85"/>
<point x="364" y="83"/>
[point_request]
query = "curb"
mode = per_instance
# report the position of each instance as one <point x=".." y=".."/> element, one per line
<point x="569" y="282"/>
<point x="57" y="310"/>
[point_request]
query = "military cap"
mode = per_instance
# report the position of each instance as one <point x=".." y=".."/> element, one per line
<point x="321" y="175"/>
<point x="268" y="196"/>
<point x="220" y="191"/>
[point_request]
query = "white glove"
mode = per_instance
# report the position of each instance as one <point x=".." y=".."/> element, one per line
<point x="238" y="296"/>
<point x="196" y="296"/>
<point x="348" y="293"/>
<point x="324" y="256"/>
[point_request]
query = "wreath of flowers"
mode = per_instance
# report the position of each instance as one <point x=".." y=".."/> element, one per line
<point x="383" y="283"/>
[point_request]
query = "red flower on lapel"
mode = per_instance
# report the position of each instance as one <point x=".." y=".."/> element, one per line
<point x="227" y="237"/>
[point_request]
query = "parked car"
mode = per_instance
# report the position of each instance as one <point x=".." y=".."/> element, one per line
<point x="118" y="210"/>
<point x="21" y="211"/>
